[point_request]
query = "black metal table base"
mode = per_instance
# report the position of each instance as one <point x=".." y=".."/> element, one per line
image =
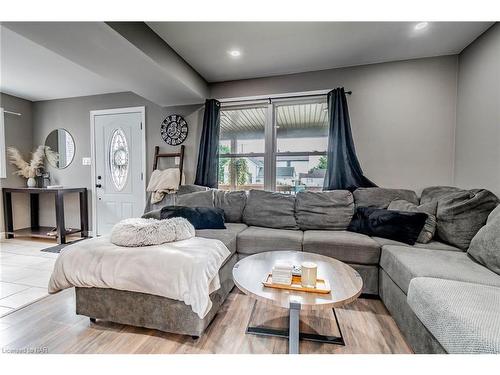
<point x="284" y="333"/>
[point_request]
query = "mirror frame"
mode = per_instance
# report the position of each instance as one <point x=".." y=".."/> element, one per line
<point x="74" y="148"/>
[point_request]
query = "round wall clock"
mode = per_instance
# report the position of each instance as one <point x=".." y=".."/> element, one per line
<point x="174" y="130"/>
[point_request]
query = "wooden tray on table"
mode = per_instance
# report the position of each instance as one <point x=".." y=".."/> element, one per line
<point x="322" y="286"/>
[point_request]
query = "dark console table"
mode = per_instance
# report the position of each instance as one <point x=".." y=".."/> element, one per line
<point x="35" y="230"/>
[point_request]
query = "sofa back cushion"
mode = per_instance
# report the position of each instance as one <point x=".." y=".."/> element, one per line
<point x="197" y="199"/>
<point x="434" y="193"/>
<point x="382" y="197"/>
<point x="270" y="210"/>
<point x="460" y="213"/>
<point x="485" y="246"/>
<point x="187" y="189"/>
<point x="328" y="210"/>
<point x="430" y="208"/>
<point x="232" y="202"/>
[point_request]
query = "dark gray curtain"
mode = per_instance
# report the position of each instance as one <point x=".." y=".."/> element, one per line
<point x="208" y="155"/>
<point x="343" y="170"/>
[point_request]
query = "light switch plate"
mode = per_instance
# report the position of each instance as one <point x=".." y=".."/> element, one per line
<point x="86" y="161"/>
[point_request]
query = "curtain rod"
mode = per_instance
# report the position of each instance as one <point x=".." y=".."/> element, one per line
<point x="270" y="99"/>
<point x="12" y="113"/>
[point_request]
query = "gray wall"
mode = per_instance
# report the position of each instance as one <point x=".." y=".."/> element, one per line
<point x="477" y="155"/>
<point x="73" y="115"/>
<point x="402" y="115"/>
<point x="17" y="134"/>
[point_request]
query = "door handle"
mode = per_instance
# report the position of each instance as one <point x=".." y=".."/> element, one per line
<point x="98" y="186"/>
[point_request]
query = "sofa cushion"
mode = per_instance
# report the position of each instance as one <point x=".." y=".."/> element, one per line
<point x="196" y="199"/>
<point x="255" y="240"/>
<point x="463" y="317"/>
<point x="396" y="225"/>
<point x="429" y="208"/>
<point x="329" y="210"/>
<point x="232" y="202"/>
<point x="270" y="210"/>
<point x="228" y="236"/>
<point x="460" y="213"/>
<point x="432" y="245"/>
<point x="187" y="189"/>
<point x="485" y="246"/>
<point x="382" y="197"/>
<point x="345" y="246"/>
<point x="434" y="193"/>
<point x="403" y="263"/>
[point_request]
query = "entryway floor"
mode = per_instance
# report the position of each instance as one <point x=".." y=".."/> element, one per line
<point x="24" y="272"/>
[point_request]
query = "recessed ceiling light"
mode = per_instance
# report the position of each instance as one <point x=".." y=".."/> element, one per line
<point x="234" y="53"/>
<point x="421" y="25"/>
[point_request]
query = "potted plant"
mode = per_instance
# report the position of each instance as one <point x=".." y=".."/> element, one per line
<point x="25" y="169"/>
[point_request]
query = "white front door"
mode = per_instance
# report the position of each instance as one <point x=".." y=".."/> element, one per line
<point x="119" y="154"/>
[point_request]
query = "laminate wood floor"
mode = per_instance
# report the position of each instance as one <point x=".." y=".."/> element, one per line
<point x="51" y="323"/>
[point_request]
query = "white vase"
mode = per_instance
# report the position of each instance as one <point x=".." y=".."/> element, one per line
<point x="31" y="182"/>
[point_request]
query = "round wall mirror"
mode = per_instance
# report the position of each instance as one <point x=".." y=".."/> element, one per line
<point x="59" y="148"/>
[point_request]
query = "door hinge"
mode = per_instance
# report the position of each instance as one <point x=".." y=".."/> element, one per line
<point x="141" y="125"/>
<point x="142" y="176"/>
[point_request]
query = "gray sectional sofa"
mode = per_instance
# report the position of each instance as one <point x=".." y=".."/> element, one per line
<point x="440" y="297"/>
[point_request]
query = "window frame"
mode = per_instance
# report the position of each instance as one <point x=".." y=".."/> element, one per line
<point x="270" y="153"/>
<point x="3" y="155"/>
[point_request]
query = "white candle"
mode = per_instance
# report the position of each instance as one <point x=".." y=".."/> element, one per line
<point x="309" y="274"/>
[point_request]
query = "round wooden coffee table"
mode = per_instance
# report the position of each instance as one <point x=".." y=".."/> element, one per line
<point x="345" y="283"/>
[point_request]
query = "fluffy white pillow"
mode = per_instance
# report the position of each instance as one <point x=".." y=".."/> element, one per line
<point x="135" y="232"/>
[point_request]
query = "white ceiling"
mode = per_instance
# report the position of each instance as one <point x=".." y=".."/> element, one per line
<point x="274" y="48"/>
<point x="30" y="71"/>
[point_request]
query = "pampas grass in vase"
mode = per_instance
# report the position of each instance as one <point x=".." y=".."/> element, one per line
<point x="25" y="169"/>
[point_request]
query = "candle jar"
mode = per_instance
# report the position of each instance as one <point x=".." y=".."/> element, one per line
<point x="309" y="274"/>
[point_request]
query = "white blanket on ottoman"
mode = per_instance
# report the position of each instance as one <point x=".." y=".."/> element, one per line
<point x="186" y="270"/>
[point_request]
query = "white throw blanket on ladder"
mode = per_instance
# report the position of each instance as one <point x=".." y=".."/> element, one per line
<point x="164" y="182"/>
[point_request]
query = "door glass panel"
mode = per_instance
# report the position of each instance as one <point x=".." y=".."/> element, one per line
<point x="119" y="158"/>
<point x="301" y="127"/>
<point x="299" y="173"/>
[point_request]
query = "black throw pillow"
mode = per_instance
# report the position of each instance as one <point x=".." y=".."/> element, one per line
<point x="395" y="225"/>
<point x="199" y="217"/>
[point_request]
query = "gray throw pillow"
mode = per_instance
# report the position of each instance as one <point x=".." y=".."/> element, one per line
<point x="327" y="210"/>
<point x="485" y="246"/>
<point x="270" y="210"/>
<point x="430" y="208"/>
<point x="197" y="199"/>
<point x="460" y="213"/>
<point x="233" y="204"/>
<point x="382" y="197"/>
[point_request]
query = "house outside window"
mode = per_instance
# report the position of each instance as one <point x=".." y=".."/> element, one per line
<point x="279" y="146"/>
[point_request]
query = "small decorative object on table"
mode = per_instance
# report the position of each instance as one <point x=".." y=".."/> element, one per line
<point x="282" y="273"/>
<point x="309" y="274"/>
<point x="300" y="278"/>
<point x="25" y="169"/>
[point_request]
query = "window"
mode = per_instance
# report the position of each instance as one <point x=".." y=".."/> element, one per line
<point x="3" y="171"/>
<point x="242" y="148"/>
<point x="279" y="146"/>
